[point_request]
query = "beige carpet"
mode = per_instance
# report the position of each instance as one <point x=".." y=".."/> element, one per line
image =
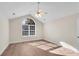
<point x="52" y="48"/>
<point x="64" y="51"/>
<point x="51" y="45"/>
<point x="43" y="45"/>
<point x="37" y="43"/>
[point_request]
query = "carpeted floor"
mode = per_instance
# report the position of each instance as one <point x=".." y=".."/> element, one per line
<point x="38" y="48"/>
<point x="54" y="48"/>
<point x="44" y="45"/>
<point x="32" y="48"/>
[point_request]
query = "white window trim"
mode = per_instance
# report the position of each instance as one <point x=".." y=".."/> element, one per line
<point x="27" y="30"/>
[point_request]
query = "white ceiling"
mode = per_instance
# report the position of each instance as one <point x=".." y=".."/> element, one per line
<point x="55" y="10"/>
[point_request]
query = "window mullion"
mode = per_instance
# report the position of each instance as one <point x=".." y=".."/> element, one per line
<point x="29" y="30"/>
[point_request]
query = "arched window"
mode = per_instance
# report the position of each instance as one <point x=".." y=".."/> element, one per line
<point x="28" y="27"/>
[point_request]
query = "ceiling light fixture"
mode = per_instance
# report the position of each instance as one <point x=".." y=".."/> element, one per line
<point x="39" y="12"/>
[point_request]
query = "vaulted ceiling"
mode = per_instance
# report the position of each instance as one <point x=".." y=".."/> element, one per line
<point x="54" y="10"/>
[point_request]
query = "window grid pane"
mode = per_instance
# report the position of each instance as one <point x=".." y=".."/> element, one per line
<point x="32" y="27"/>
<point x="24" y="33"/>
<point x="32" y="32"/>
<point x="25" y="27"/>
<point x="28" y="28"/>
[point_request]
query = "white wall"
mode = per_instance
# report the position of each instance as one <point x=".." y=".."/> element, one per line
<point x="77" y="31"/>
<point x="4" y="32"/>
<point x="62" y="29"/>
<point x="16" y="34"/>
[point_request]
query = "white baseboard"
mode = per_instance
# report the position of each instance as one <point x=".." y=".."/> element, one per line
<point x="68" y="46"/>
<point x="4" y="49"/>
<point x="53" y="41"/>
<point x="23" y="41"/>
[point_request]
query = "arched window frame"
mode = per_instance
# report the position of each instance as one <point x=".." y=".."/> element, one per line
<point x="31" y="32"/>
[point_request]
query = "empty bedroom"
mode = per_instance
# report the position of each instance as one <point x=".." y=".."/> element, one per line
<point x="39" y="28"/>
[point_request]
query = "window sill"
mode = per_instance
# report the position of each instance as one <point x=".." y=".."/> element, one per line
<point x="29" y="36"/>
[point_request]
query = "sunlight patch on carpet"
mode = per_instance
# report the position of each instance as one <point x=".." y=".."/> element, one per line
<point x="44" y="47"/>
<point x="64" y="51"/>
